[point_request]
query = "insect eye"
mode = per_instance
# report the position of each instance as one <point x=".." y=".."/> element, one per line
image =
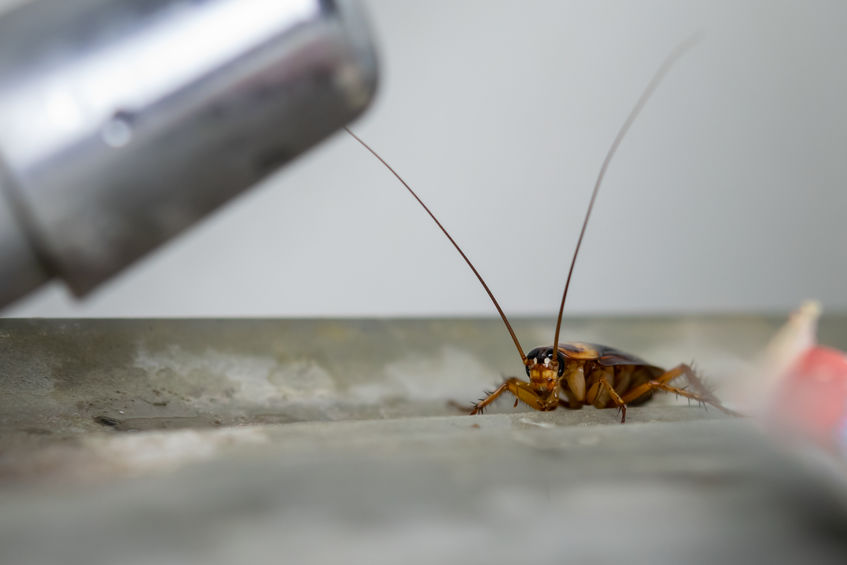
<point x="561" y="364"/>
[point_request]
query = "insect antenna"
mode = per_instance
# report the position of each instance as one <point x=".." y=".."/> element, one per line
<point x="456" y="245"/>
<point x="633" y="114"/>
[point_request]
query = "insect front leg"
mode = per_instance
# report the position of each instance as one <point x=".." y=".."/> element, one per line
<point x="523" y="391"/>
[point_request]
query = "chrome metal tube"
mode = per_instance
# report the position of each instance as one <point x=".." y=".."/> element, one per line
<point x="124" y="122"/>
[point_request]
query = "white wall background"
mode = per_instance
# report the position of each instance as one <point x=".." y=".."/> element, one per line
<point x="730" y="192"/>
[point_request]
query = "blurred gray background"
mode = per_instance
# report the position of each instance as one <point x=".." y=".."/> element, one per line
<point x="728" y="194"/>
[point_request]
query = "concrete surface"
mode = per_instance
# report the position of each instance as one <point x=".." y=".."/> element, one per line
<point x="316" y="441"/>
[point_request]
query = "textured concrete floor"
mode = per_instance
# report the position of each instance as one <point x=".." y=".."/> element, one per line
<point x="224" y="441"/>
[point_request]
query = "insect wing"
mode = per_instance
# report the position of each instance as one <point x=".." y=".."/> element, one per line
<point x="609" y="357"/>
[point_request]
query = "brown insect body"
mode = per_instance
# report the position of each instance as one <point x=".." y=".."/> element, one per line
<point x="583" y="364"/>
<point x="587" y="373"/>
<point x="582" y="373"/>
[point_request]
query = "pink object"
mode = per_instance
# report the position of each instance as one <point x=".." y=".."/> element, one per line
<point x="795" y="388"/>
<point x="812" y="397"/>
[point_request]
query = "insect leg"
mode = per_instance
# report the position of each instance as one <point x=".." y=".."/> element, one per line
<point x="616" y="398"/>
<point x="571" y="403"/>
<point x="522" y="391"/>
<point x="601" y="390"/>
<point x="697" y="384"/>
<point x="480" y="406"/>
<point x="597" y="394"/>
<point x="661" y="383"/>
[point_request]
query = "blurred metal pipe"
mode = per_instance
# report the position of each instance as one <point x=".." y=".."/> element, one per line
<point x="122" y="122"/>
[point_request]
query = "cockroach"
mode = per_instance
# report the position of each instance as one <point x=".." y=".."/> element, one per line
<point x="581" y="373"/>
